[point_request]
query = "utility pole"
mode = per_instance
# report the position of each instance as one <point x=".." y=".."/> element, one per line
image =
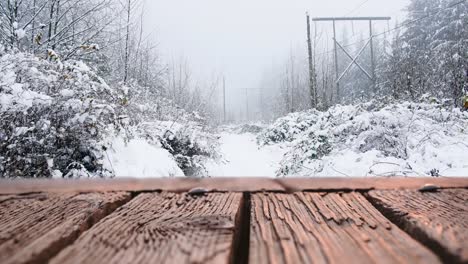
<point x="354" y="60"/>
<point x="312" y="85"/>
<point x="336" y="64"/>
<point x="224" y="99"/>
<point x="262" y="114"/>
<point x="247" y="106"/>
<point x="247" y="103"/>
<point x="293" y="84"/>
<point x="292" y="96"/>
<point x="371" y="36"/>
<point x="127" y="41"/>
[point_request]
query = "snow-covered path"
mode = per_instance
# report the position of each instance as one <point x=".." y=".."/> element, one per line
<point x="244" y="158"/>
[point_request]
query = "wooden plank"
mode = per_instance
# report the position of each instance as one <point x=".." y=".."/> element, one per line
<point x="327" y="228"/>
<point x="162" y="184"/>
<point x="161" y="228"/>
<point x="225" y="184"/>
<point x="35" y="227"/>
<point x="366" y="184"/>
<point x="439" y="219"/>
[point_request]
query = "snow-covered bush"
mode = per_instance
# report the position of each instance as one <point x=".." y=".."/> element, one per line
<point x="189" y="142"/>
<point x="251" y="128"/>
<point x="311" y="147"/>
<point x="144" y="113"/>
<point x="53" y="117"/>
<point x="409" y="138"/>
<point x="287" y="128"/>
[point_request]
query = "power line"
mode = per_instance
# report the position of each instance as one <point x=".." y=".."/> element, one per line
<point x="399" y="26"/>
<point x="357" y="8"/>
<point x="421" y="18"/>
<point x="354" y="10"/>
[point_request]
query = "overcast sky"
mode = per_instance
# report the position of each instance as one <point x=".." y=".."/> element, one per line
<point x="241" y="38"/>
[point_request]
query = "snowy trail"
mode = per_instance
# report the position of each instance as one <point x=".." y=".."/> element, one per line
<point x="244" y="158"/>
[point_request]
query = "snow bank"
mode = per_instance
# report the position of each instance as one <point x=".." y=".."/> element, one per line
<point x="53" y="117"/>
<point x="58" y="118"/>
<point x="191" y="144"/>
<point x="399" y="139"/>
<point x="138" y="158"/>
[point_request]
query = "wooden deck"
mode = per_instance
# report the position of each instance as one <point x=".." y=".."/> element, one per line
<point x="333" y="220"/>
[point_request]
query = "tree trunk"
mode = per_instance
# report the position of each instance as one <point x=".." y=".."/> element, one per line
<point x="127" y="40"/>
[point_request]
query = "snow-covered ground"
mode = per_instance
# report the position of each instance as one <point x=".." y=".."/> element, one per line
<point x="243" y="157"/>
<point x="139" y="159"/>
<point x="372" y="139"/>
<point x="403" y="139"/>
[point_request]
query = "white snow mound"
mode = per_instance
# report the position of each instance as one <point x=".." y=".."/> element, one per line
<point x="139" y="159"/>
<point x="399" y="139"/>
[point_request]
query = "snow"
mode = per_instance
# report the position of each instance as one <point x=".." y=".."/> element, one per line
<point x="20" y="33"/>
<point x="20" y="99"/>
<point x="404" y="139"/>
<point x="348" y="163"/>
<point x="347" y="141"/>
<point x="371" y="139"/>
<point x="21" y="131"/>
<point x="140" y="159"/>
<point x="17" y="95"/>
<point x="56" y="174"/>
<point x="67" y="93"/>
<point x="243" y="157"/>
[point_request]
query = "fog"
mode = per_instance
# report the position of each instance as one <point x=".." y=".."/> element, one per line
<point x="242" y="39"/>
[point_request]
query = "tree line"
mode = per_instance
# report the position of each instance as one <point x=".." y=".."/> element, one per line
<point x="77" y="74"/>
<point x="108" y="35"/>
<point x="423" y="58"/>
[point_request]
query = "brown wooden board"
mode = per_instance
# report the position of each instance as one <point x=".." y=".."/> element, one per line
<point x="225" y="184"/>
<point x="439" y="219"/>
<point x="161" y="228"/>
<point x="161" y="184"/>
<point x="327" y="228"/>
<point x="35" y="227"/>
<point x="365" y="184"/>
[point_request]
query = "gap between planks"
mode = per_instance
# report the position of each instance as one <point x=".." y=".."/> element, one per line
<point x="241" y="236"/>
<point x="329" y="227"/>
<point x="38" y="226"/>
<point x="241" y="244"/>
<point x="438" y="220"/>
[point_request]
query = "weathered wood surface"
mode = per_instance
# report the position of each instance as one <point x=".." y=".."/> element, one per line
<point x="327" y="228"/>
<point x="178" y="185"/>
<point x="225" y="184"/>
<point x="438" y="219"/>
<point x="365" y="184"/>
<point x="208" y="220"/>
<point x="35" y="227"/>
<point x="161" y="228"/>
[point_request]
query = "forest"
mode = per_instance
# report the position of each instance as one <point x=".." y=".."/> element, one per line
<point x="85" y="92"/>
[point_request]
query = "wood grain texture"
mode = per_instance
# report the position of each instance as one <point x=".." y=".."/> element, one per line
<point x="225" y="184"/>
<point x="161" y="228"/>
<point x="439" y="219"/>
<point x="366" y="184"/>
<point x="327" y="228"/>
<point x="35" y="227"/>
<point x="178" y="185"/>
